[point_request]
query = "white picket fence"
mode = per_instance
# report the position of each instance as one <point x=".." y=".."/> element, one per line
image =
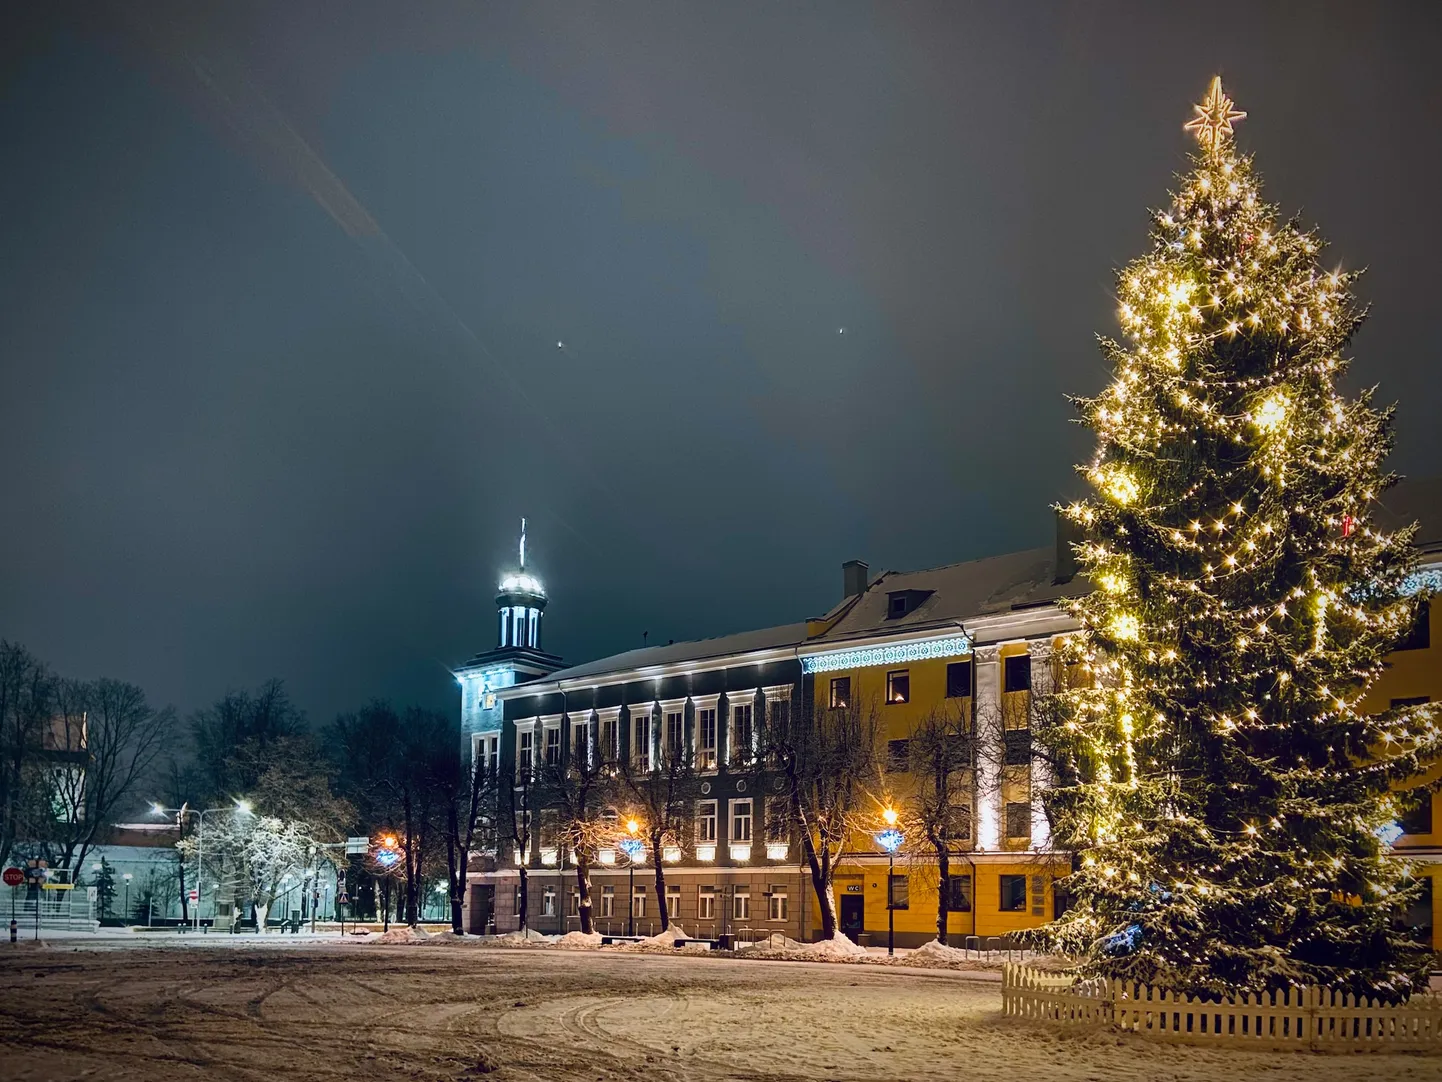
<point x="1297" y="1019"/>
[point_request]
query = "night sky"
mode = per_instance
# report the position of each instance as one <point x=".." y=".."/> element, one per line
<point x="281" y="286"/>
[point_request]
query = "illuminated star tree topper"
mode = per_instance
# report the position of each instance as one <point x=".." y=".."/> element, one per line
<point x="1212" y="124"/>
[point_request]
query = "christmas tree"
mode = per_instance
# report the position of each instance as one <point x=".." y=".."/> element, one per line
<point x="1223" y="791"/>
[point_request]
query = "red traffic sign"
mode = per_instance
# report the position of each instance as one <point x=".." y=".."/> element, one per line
<point x="194" y="895"/>
<point x="13" y="877"/>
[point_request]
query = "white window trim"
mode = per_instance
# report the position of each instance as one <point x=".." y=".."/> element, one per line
<point x="733" y="700"/>
<point x="637" y="711"/>
<point x="613" y="715"/>
<point x="548" y="722"/>
<point x="582" y="718"/>
<point x="698" y="704"/>
<point x="731" y="817"/>
<point x="778" y="691"/>
<point x="658" y="727"/>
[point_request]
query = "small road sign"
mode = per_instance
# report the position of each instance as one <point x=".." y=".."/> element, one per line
<point x="13" y="877"/>
<point x="194" y="895"/>
<point x="344" y="899"/>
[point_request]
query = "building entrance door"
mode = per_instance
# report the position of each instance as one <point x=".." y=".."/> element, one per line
<point x="853" y="915"/>
<point x="483" y="909"/>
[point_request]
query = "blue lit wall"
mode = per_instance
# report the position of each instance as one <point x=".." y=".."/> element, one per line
<point x="480" y="707"/>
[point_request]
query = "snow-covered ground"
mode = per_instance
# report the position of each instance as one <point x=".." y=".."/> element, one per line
<point x="243" y="1008"/>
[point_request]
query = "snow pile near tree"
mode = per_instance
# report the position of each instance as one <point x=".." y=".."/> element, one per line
<point x="838" y="946"/>
<point x="836" y="949"/>
<point x="401" y="935"/>
<point x="579" y="941"/>
<point x="662" y="942"/>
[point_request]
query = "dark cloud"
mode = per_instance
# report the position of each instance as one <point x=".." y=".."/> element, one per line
<point x="282" y="286"/>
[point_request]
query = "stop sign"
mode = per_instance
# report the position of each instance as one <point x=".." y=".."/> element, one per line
<point x="13" y="877"/>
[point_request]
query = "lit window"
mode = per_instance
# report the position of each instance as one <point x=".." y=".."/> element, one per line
<point x="608" y="901"/>
<point x="548" y="902"/>
<point x="673" y="902"/>
<point x="840" y="692"/>
<point x="706" y="738"/>
<point x="898" y="686"/>
<point x="706" y="903"/>
<point x="741" y="904"/>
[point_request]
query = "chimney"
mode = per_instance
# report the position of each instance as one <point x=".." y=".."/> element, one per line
<point x="853" y="578"/>
<point x="1068" y="533"/>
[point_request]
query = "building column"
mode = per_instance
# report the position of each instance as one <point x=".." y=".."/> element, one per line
<point x="1042" y="685"/>
<point x="991" y="749"/>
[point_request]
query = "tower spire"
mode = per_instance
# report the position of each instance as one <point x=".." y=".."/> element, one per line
<point x="523" y="544"/>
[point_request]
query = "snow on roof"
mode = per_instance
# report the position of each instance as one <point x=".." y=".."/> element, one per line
<point x="743" y="642"/>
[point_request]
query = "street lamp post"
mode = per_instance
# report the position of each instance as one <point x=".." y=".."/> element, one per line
<point x="890" y="839"/>
<point x="125" y="915"/>
<point x="631" y="846"/>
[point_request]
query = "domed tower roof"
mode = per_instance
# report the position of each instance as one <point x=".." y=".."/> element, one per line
<point x="519" y="587"/>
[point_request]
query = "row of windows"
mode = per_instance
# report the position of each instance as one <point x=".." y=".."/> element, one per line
<point x="778" y="907"/>
<point x="654" y="738"/>
<point x="960" y="681"/>
<point x="1017" y="892"/>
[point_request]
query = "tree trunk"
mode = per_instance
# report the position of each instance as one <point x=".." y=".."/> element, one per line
<point x="583" y="890"/>
<point x="184" y="897"/>
<point x="820" y="865"/>
<point x="525" y="899"/>
<point x="386" y="906"/>
<point x="457" y="860"/>
<point x="943" y="899"/>
<point x="660" y="882"/>
<point x="262" y="912"/>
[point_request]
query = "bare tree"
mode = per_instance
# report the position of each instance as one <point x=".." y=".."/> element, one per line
<point x="106" y="738"/>
<point x="516" y="818"/>
<point x="662" y="787"/>
<point x="26" y="701"/>
<point x="471" y="822"/>
<point x="576" y="788"/>
<point x="937" y="817"/>
<point x="826" y="759"/>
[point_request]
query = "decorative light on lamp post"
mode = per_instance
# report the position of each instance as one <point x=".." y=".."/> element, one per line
<point x="635" y="850"/>
<point x="890" y="839"/>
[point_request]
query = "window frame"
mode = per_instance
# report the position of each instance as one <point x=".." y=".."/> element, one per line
<point x="1001" y="893"/>
<point x="736" y="819"/>
<point x="953" y="880"/>
<point x="702" y="819"/>
<point x="898" y="687"/>
<point x="952" y="685"/>
<point x="898" y="885"/>
<point x="705" y="903"/>
<point x="643" y="737"/>
<point x="741" y="899"/>
<point x="778" y="895"/>
<point x="842" y="702"/>
<point x="1013" y="666"/>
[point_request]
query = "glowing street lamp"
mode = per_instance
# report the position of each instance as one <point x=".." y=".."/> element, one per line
<point x="890" y="839"/>
<point x="239" y="807"/>
<point x="635" y="850"/>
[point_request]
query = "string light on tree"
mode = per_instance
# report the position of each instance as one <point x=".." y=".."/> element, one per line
<point x="1226" y="792"/>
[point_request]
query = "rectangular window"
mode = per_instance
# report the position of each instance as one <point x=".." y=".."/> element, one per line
<point x="638" y="901"/>
<point x="525" y="752"/>
<point x="548" y="902"/>
<point x="778" y="714"/>
<point x="675" y="734"/>
<point x="553" y="746"/>
<point x="840" y="692"/>
<point x="959" y="898"/>
<point x="641" y="741"/>
<point x="958" y="815"/>
<point x="1417" y="819"/>
<point x="608" y="901"/>
<point x="1016" y="673"/>
<point x="898" y="754"/>
<point x="898" y="686"/>
<point x="1013" y="894"/>
<point x="741" y="904"/>
<point x="1018" y="819"/>
<point x="608" y="739"/>
<point x="778" y="820"/>
<point x="741" y="820"/>
<point x="777" y="910"/>
<point x="743" y="734"/>
<point x="958" y="680"/>
<point x="574" y="908"/>
<point x="1420" y="635"/>
<point x="706" y="822"/>
<point x="706" y="903"/>
<point x="580" y="743"/>
<point x="705" y="738"/>
<point x="900" y="892"/>
<point x="673" y="902"/>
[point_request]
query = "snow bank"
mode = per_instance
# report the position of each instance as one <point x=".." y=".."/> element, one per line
<point x="530" y="937"/>
<point x="838" y="946"/>
<point x="579" y="941"/>
<point x="401" y="935"/>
